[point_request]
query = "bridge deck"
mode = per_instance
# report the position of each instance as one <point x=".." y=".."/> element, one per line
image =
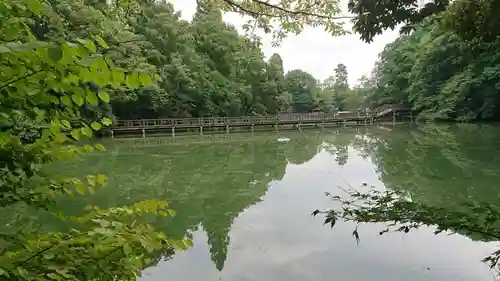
<point x="275" y="120"/>
<point x="238" y="121"/>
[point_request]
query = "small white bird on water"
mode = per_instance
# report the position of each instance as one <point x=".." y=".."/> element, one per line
<point x="283" y="139"/>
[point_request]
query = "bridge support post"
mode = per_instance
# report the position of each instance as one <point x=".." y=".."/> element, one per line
<point x="173" y="131"/>
<point x="143" y="133"/>
<point x="298" y="126"/>
<point x="253" y="128"/>
<point x="276" y="127"/>
<point x="201" y="130"/>
<point x="112" y="134"/>
<point x="227" y="128"/>
<point x="393" y="117"/>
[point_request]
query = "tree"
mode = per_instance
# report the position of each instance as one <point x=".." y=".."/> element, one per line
<point x="335" y="93"/>
<point x="370" y="17"/>
<point x="276" y="101"/>
<point x="46" y="81"/>
<point x="373" y="17"/>
<point x="473" y="21"/>
<point x="302" y="86"/>
<point x="290" y="16"/>
<point x="324" y="98"/>
<point x="327" y="99"/>
<point x="364" y="90"/>
<point x="354" y="100"/>
<point x="436" y="72"/>
<point x="207" y="68"/>
<point x="340" y="87"/>
<point x="341" y="77"/>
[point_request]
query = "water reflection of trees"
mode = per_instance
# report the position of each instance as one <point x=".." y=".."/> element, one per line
<point x="210" y="183"/>
<point x="442" y="165"/>
<point x="449" y="172"/>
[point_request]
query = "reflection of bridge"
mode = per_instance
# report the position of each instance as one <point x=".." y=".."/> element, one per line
<point x="295" y="119"/>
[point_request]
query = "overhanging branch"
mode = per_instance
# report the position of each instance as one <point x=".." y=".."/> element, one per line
<point x="240" y="7"/>
<point x="277" y="7"/>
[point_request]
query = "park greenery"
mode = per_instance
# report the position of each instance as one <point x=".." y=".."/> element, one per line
<point x="69" y="68"/>
<point x="447" y="68"/>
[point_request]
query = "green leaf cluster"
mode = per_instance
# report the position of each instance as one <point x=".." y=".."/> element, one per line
<point x="205" y="68"/>
<point x="55" y="73"/>
<point x="439" y="75"/>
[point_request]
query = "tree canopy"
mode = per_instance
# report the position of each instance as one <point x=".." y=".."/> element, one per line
<point x="439" y="74"/>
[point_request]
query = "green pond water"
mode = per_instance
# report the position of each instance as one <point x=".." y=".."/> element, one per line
<point x="246" y="200"/>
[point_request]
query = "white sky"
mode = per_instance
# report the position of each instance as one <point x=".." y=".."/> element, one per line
<point x="314" y="50"/>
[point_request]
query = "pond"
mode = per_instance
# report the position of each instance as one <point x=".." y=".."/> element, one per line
<point x="246" y="200"/>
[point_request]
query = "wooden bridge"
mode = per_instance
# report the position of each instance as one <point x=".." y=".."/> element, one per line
<point x="296" y="119"/>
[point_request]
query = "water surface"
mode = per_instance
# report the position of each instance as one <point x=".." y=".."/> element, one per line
<point x="246" y="200"/>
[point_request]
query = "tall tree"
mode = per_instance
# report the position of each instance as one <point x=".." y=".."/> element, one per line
<point x="275" y="100"/>
<point x="302" y="86"/>
<point x="340" y="87"/>
<point x="341" y="77"/>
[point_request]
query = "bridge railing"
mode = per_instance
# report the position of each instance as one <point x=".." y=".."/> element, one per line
<point x="244" y="120"/>
<point x="387" y="108"/>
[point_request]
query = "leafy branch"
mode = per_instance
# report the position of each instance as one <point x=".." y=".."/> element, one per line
<point x="20" y="78"/>
<point x="294" y="12"/>
<point x="50" y="247"/>
<point x="402" y="214"/>
<point x="301" y="12"/>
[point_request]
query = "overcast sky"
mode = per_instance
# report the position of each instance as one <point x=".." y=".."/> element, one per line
<point x="314" y="50"/>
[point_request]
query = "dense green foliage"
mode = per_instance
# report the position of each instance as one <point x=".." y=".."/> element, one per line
<point x="333" y="94"/>
<point x="336" y="94"/>
<point x="302" y="86"/>
<point x="439" y="75"/>
<point x="374" y="17"/>
<point x="447" y="68"/>
<point x="470" y="20"/>
<point x="208" y="69"/>
<point x="205" y="67"/>
<point x="55" y="83"/>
